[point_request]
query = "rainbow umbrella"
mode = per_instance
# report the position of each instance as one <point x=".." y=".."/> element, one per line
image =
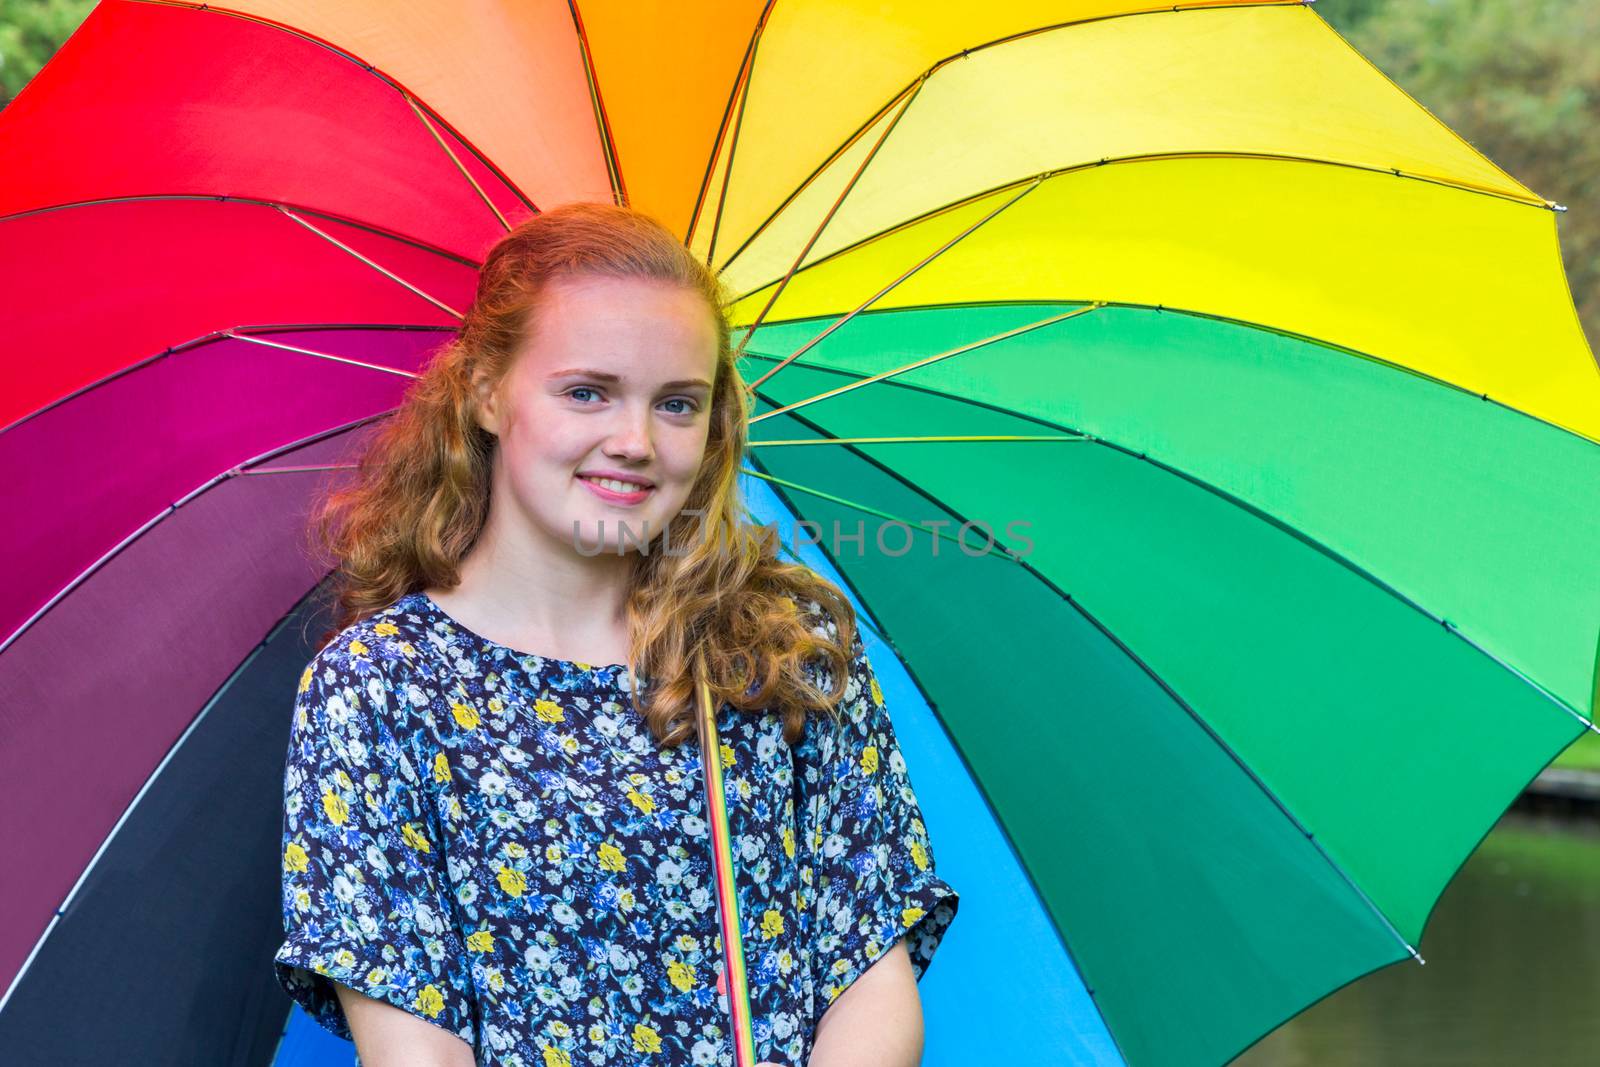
<point x="1218" y="424"/>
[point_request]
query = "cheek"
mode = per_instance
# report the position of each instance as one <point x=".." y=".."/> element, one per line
<point x="540" y="444"/>
<point x="689" y="455"/>
<point x="683" y="469"/>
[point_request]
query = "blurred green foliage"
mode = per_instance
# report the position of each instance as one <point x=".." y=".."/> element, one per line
<point x="1520" y="81"/>
<point x="30" y="33"/>
<point x="1583" y="755"/>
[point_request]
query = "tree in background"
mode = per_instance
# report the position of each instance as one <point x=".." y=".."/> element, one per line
<point x="30" y="33"/>
<point x="1520" y="80"/>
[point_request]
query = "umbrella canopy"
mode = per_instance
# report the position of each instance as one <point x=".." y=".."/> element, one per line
<point x="1268" y="386"/>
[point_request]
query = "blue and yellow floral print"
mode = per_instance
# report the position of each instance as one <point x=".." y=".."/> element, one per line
<point x="494" y="842"/>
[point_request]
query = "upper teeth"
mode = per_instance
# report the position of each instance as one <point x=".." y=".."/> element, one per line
<point x="617" y="486"/>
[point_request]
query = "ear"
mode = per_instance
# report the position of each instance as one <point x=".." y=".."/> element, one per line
<point x="488" y="400"/>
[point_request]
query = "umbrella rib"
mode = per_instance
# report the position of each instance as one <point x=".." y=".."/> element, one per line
<point x="1002" y="551"/>
<point x="1148" y="157"/>
<point x="920" y="440"/>
<point x="1098" y="439"/>
<point x="454" y="159"/>
<point x="1142" y="665"/>
<point x="958" y="350"/>
<point x="827" y="218"/>
<point x="1397" y="87"/>
<point x="722" y="127"/>
<point x="1305" y="538"/>
<point x="387" y="235"/>
<point x="320" y="355"/>
<point x="299" y="470"/>
<point x="211" y="483"/>
<point x="743" y="92"/>
<point x="387" y="273"/>
<point x="875" y="297"/>
<point x="789" y="553"/>
<point x="876" y="626"/>
<point x="1215" y="317"/>
<point x="217" y="335"/>
<point x="1165" y="9"/>
<point x="133" y="803"/>
<point x="1309" y="540"/>
<point x="608" y="145"/>
<point x="351" y="57"/>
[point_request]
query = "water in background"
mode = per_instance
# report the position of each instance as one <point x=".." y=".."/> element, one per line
<point x="1513" y="971"/>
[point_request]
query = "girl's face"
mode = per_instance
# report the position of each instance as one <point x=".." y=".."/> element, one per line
<point x="614" y="380"/>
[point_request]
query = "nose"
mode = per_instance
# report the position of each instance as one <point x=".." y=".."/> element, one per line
<point x="630" y="438"/>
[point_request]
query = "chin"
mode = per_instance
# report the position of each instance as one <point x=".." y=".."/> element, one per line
<point x="641" y="528"/>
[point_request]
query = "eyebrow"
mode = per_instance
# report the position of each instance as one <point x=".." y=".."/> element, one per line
<point x="606" y="376"/>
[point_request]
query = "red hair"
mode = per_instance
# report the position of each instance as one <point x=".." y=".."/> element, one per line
<point x="420" y="495"/>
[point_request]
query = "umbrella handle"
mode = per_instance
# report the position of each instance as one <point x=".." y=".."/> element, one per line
<point x="733" y="968"/>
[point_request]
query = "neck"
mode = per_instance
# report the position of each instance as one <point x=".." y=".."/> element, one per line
<point x="544" y="598"/>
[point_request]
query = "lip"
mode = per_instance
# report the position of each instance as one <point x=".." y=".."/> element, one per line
<point x="611" y="496"/>
<point x="621" y="476"/>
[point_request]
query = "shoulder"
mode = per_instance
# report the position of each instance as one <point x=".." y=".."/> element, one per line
<point x="386" y="638"/>
<point x="378" y="661"/>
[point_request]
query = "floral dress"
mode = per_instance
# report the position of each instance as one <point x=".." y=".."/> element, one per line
<point x="494" y="842"/>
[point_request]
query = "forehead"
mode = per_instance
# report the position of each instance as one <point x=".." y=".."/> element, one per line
<point x="632" y="327"/>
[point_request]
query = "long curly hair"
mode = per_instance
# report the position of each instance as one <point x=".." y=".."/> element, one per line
<point x="419" y="497"/>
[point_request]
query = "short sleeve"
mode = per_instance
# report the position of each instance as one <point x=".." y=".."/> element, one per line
<point x="873" y="874"/>
<point x="365" y="886"/>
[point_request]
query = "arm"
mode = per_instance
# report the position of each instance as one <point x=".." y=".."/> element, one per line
<point x="875" y="882"/>
<point x="387" y="1036"/>
<point x="877" y="1021"/>
<point x="367" y="903"/>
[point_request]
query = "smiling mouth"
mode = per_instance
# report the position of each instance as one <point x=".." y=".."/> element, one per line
<point x="615" y="485"/>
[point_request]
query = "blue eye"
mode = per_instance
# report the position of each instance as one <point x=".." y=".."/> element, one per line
<point x="693" y="407"/>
